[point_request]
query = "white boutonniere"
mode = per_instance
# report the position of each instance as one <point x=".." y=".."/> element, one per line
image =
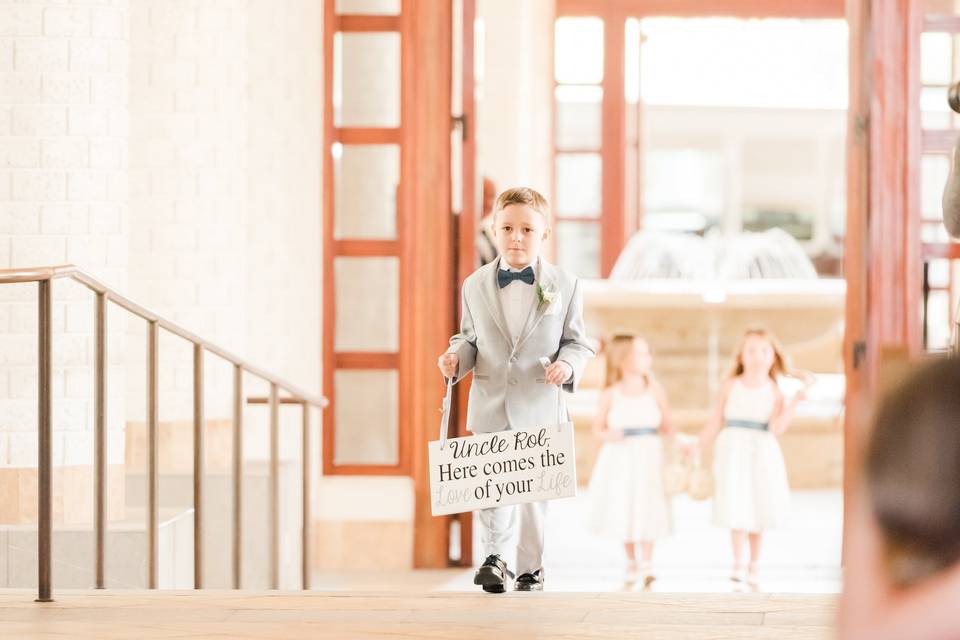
<point x="547" y="296"/>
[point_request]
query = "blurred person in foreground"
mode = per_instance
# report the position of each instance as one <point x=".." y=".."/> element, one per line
<point x="902" y="577"/>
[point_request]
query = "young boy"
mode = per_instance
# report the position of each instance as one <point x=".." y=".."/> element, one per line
<point x="515" y="311"/>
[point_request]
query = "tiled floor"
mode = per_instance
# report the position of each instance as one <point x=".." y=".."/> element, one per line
<point x="803" y="557"/>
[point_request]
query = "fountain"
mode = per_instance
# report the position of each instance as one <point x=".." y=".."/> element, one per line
<point x="662" y="255"/>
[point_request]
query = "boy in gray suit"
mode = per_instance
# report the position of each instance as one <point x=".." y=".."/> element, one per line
<point x="516" y="311"/>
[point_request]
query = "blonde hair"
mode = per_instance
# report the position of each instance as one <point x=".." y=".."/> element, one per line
<point x="524" y="195"/>
<point x="781" y="361"/>
<point x="616" y="350"/>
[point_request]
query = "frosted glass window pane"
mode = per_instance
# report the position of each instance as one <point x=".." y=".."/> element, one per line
<point x="578" y="117"/>
<point x="578" y="184"/>
<point x="367" y="307"/>
<point x="366" y="83"/>
<point x="934" y="232"/>
<point x="365" y="195"/>
<point x="938" y="320"/>
<point x="368" y="7"/>
<point x="578" y="248"/>
<point x="579" y="51"/>
<point x="367" y="409"/>
<point x="936" y="57"/>
<point x="934" y="110"/>
<point x="934" y="170"/>
<point x="938" y="272"/>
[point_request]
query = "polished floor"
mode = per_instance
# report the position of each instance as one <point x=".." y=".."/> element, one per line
<point x="801" y="557"/>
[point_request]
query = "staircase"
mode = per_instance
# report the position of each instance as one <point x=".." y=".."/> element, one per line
<point x="171" y="554"/>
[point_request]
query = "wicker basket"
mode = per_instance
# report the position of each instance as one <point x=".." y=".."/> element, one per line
<point x="676" y="470"/>
<point x="700" y="486"/>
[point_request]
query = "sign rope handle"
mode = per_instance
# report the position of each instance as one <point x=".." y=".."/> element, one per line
<point x="445" y="419"/>
<point x="562" y="413"/>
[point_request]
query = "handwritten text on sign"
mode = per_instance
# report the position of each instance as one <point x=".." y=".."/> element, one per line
<point x="498" y="469"/>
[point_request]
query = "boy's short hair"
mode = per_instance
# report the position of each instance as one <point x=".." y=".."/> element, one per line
<point x="524" y="195"/>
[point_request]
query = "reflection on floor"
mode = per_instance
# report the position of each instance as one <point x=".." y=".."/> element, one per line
<point x="803" y="557"/>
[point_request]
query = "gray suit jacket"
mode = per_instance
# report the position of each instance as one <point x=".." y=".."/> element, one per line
<point x="508" y="389"/>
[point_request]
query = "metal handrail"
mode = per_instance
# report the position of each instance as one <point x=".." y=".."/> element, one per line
<point x="43" y="276"/>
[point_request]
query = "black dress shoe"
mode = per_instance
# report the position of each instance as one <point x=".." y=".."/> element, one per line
<point x="529" y="582"/>
<point x="492" y="575"/>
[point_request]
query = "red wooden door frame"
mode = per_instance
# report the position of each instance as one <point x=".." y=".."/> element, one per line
<point x="882" y="254"/>
<point x="470" y="214"/>
<point x="332" y="248"/>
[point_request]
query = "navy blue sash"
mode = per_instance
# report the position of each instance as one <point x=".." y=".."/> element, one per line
<point x="748" y="424"/>
<point x="639" y="431"/>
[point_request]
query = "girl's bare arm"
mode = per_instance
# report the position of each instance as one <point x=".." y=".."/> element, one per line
<point x="599" y="427"/>
<point x="666" y="422"/>
<point x="783" y="412"/>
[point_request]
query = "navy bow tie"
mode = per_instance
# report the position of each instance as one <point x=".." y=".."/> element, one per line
<point x="506" y="277"/>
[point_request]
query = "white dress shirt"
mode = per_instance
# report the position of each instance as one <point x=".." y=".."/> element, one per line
<point x="517" y="299"/>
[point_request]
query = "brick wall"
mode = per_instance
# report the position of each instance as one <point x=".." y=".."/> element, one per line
<point x="213" y="221"/>
<point x="63" y="198"/>
<point x="188" y="186"/>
